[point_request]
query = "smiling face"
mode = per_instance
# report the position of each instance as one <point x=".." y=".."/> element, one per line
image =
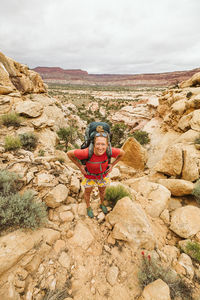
<point x="100" y="145"/>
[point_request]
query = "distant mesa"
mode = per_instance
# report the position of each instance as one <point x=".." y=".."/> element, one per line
<point x="45" y="71"/>
<point x="78" y="76"/>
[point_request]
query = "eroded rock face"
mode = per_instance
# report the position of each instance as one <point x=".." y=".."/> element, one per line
<point x="29" y="109"/>
<point x="185" y="221"/>
<point x="131" y="224"/>
<point x="20" y="77"/>
<point x="135" y="155"/>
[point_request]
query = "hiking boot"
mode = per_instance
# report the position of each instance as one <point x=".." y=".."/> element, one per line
<point x="90" y="212"/>
<point x="104" y="209"/>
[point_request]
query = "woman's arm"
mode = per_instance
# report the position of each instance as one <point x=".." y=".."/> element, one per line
<point x="73" y="158"/>
<point x="118" y="158"/>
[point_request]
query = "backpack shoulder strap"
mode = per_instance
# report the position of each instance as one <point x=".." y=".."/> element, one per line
<point x="109" y="152"/>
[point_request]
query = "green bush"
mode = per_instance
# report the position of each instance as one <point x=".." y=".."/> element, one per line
<point x="196" y="191"/>
<point x="28" y="141"/>
<point x="189" y="95"/>
<point x="151" y="270"/>
<point x="12" y="143"/>
<point x="11" y="119"/>
<point x="142" y="137"/>
<point x="118" y="134"/>
<point x="115" y="193"/>
<point x="18" y="210"/>
<point x="193" y="250"/>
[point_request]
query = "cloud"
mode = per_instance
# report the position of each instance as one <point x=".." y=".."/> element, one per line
<point x="103" y="36"/>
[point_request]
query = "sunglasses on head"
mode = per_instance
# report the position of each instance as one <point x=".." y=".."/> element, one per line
<point x="101" y="134"/>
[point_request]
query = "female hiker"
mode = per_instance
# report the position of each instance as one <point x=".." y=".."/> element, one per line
<point x="97" y="168"/>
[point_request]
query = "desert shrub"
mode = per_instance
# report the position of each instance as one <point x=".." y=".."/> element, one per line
<point x="115" y="193"/>
<point x="196" y="191"/>
<point x="8" y="182"/>
<point x="142" y="137"/>
<point x="28" y="140"/>
<point x="118" y="134"/>
<point x="197" y="140"/>
<point x="67" y="134"/>
<point x="11" y="119"/>
<point x="18" y="210"/>
<point x="41" y="152"/>
<point x="189" y="95"/>
<point x="12" y="143"/>
<point x="151" y="270"/>
<point x="193" y="250"/>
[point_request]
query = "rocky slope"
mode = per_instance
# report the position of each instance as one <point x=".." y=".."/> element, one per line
<point x="55" y="74"/>
<point x="74" y="257"/>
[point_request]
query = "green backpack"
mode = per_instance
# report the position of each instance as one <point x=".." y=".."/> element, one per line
<point x="90" y="133"/>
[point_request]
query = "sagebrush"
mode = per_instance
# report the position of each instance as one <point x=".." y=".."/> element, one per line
<point x="115" y="193"/>
<point x="11" y="119"/>
<point x="18" y="210"/>
<point x="12" y="143"/>
<point x="28" y="140"/>
<point x="193" y="250"/>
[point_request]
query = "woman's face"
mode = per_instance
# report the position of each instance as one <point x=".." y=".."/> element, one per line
<point x="100" y="145"/>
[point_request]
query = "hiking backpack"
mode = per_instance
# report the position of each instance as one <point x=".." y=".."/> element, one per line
<point x="90" y="132"/>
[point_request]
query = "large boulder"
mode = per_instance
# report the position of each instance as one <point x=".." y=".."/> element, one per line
<point x="156" y="195"/>
<point x="178" y="187"/>
<point x="172" y="161"/>
<point x="135" y="155"/>
<point x="131" y="224"/>
<point x="185" y="221"/>
<point x="156" y="290"/>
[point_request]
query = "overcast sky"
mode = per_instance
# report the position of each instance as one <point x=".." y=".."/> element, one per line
<point x="102" y="36"/>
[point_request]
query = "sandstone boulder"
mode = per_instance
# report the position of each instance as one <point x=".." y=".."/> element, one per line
<point x="56" y="196"/>
<point x="172" y="161"/>
<point x="190" y="170"/>
<point x="47" y="138"/>
<point x="179" y="106"/>
<point x="135" y="155"/>
<point x="185" y="221"/>
<point x="178" y="187"/>
<point x="156" y="195"/>
<point x="156" y="290"/>
<point x="131" y="224"/>
<point x="184" y="122"/>
<point x="185" y="261"/>
<point x="195" y="120"/>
